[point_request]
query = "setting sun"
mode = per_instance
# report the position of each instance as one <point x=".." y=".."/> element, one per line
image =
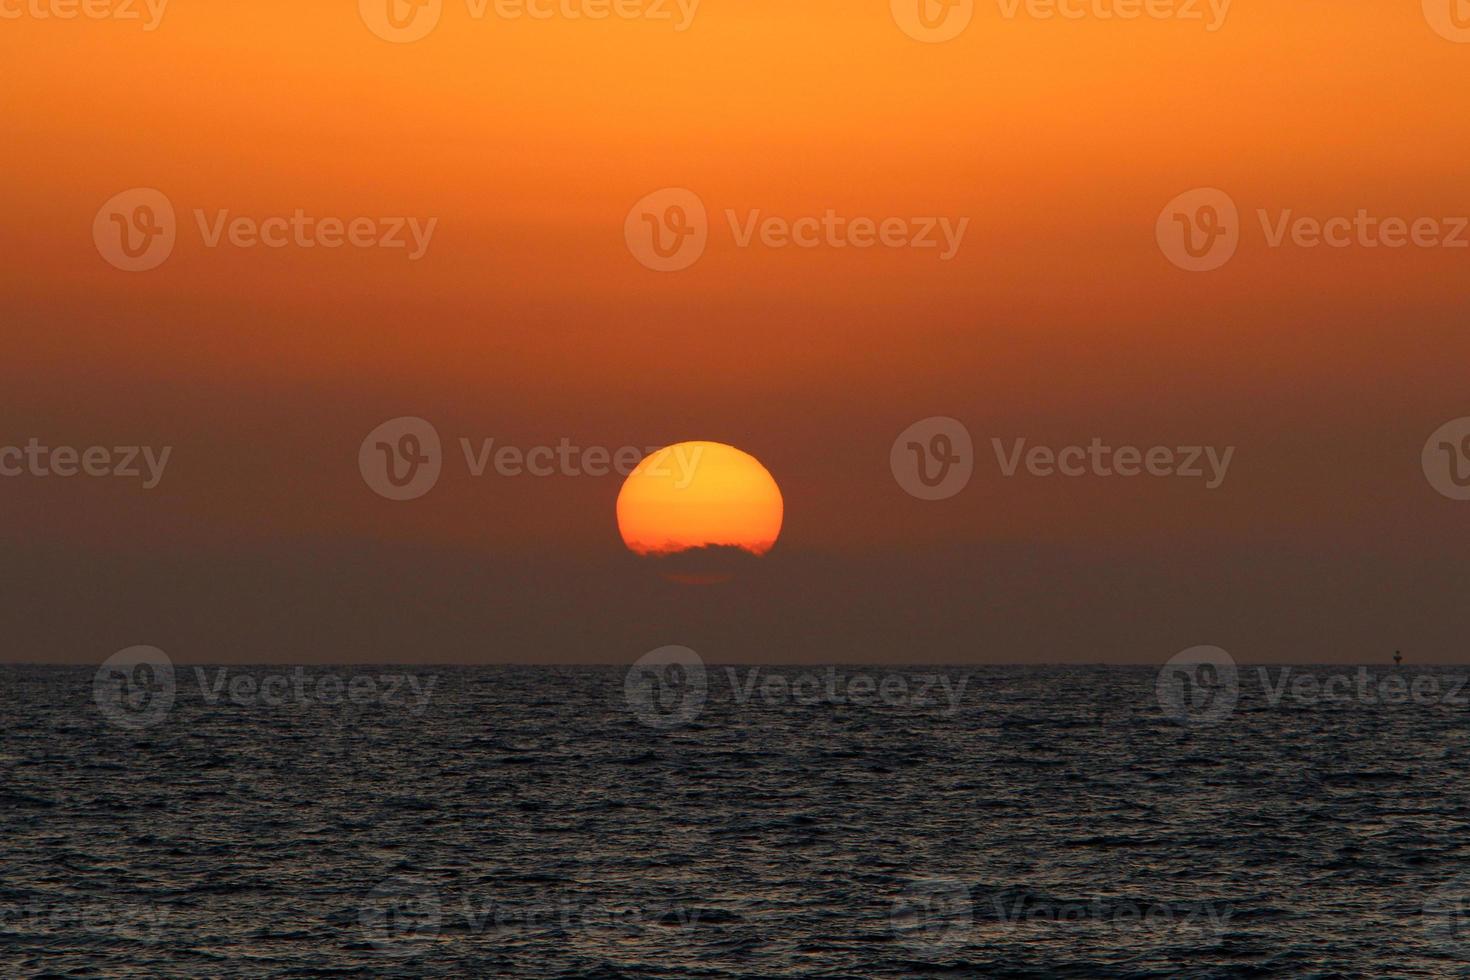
<point x="699" y="494"/>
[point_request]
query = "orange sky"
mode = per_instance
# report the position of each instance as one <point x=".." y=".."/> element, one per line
<point x="528" y="320"/>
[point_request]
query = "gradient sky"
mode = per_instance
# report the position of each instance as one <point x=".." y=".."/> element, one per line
<point x="529" y="321"/>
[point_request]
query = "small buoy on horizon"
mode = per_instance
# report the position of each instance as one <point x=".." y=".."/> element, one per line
<point x="1398" y="658"/>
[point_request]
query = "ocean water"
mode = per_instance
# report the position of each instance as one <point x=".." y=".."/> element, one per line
<point x="746" y="822"/>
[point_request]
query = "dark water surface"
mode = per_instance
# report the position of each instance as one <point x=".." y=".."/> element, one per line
<point x="529" y="822"/>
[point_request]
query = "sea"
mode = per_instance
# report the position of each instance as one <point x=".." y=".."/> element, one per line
<point x="684" y="820"/>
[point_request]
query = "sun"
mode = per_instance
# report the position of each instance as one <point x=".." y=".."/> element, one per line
<point x="698" y="495"/>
